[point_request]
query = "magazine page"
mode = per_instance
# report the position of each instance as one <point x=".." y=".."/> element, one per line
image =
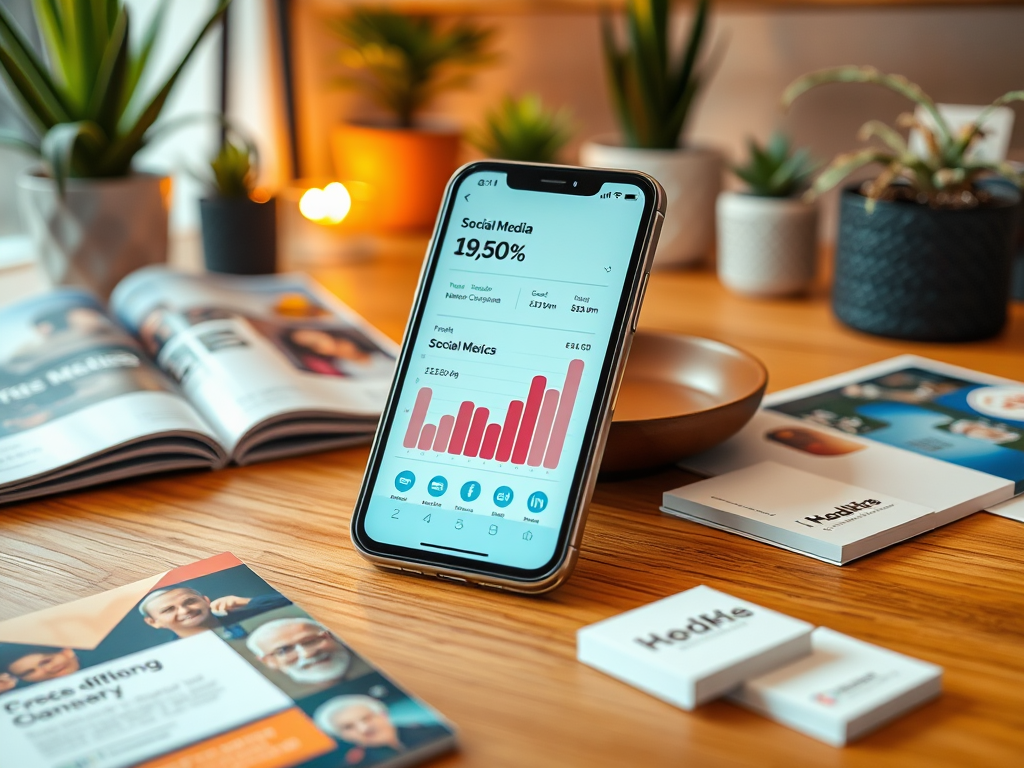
<point x="275" y="363"/>
<point x="203" y="666"/>
<point x="923" y="431"/>
<point x="80" y="403"/>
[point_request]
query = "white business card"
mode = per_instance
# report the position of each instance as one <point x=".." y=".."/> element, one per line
<point x="825" y="518"/>
<point x="843" y="690"/>
<point x="692" y="647"/>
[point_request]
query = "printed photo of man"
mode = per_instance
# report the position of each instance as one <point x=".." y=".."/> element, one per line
<point x="186" y="611"/>
<point x="35" y="664"/>
<point x="303" y="649"/>
<point x="366" y="724"/>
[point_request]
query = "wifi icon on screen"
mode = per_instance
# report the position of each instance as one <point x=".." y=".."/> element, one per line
<point x="618" y="195"/>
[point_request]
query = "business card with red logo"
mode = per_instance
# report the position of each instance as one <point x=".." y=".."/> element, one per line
<point x="203" y="666"/>
<point x="843" y="690"/>
<point x="692" y="647"/>
<point x="831" y="520"/>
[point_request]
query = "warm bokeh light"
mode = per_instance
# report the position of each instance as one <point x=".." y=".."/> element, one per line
<point x="329" y="205"/>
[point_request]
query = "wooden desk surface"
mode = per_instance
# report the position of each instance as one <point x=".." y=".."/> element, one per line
<point x="503" y="667"/>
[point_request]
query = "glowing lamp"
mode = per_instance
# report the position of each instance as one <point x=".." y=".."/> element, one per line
<point x="329" y="205"/>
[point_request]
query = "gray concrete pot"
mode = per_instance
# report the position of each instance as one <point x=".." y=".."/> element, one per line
<point x="102" y="230"/>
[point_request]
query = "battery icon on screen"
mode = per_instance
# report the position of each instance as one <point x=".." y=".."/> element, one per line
<point x="630" y="196"/>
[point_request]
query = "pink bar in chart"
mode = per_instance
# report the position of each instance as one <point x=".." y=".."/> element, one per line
<point x="563" y="414"/>
<point x="419" y="415"/>
<point x="544" y="421"/>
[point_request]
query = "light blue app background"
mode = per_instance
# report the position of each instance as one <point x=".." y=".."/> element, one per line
<point x="504" y="371"/>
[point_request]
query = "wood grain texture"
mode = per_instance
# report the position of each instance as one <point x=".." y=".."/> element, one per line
<point x="503" y="667"/>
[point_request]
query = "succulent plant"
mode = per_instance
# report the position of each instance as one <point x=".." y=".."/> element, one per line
<point x="945" y="177"/>
<point x="653" y="88"/>
<point x="522" y="129"/>
<point x="776" y="170"/>
<point x="87" y="111"/>
<point x="403" y="62"/>
<point x="234" y="170"/>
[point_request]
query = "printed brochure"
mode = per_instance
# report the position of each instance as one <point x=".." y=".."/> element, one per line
<point x="935" y="441"/>
<point x="200" y="667"/>
<point x="195" y="371"/>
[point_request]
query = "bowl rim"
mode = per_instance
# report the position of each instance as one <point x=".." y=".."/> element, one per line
<point x="757" y="364"/>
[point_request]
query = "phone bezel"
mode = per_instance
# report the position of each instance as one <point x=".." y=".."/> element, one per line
<point x="552" y="180"/>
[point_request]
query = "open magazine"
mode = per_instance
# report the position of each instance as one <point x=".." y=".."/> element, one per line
<point x="182" y="371"/>
<point x="847" y="465"/>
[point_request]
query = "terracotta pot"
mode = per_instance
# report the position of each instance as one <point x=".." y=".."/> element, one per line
<point x="692" y="178"/>
<point x="405" y="170"/>
<point x="767" y="246"/>
<point x="102" y="230"/>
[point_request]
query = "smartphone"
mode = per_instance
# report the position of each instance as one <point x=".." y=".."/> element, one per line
<point x="489" y="446"/>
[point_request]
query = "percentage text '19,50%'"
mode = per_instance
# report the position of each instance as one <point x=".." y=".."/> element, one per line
<point x="491" y="249"/>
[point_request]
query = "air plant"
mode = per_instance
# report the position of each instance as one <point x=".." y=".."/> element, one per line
<point x="88" y="114"/>
<point x="945" y="176"/>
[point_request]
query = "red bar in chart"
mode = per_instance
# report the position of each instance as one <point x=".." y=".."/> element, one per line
<point x="476" y="432"/>
<point x="533" y="400"/>
<point x="419" y="415"/>
<point x="533" y="431"/>
<point x="490" y="443"/>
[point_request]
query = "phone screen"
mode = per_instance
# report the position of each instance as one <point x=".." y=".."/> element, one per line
<point x="497" y="397"/>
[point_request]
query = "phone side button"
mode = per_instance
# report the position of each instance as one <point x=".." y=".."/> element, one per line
<point x="488" y="585"/>
<point x="446" y="577"/>
<point x="640" y="300"/>
<point x="412" y="570"/>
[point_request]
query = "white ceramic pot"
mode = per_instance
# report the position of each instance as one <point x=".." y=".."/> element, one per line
<point x="767" y="246"/>
<point x="102" y="230"/>
<point x="692" y="178"/>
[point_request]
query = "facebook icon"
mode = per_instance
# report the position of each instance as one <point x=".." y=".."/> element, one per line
<point x="470" y="491"/>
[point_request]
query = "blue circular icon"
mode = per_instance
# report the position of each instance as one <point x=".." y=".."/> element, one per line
<point x="405" y="480"/>
<point x="437" y="486"/>
<point x="538" y="501"/>
<point x="503" y="496"/>
<point x="470" y="491"/>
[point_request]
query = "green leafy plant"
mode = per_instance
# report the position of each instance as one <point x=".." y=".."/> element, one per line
<point x="945" y="177"/>
<point x="522" y="129"/>
<point x="403" y="62"/>
<point x="652" y="88"/>
<point x="234" y="170"/>
<point x="776" y="170"/>
<point x="87" y="111"/>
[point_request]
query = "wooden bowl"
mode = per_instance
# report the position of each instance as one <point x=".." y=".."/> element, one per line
<point x="680" y="395"/>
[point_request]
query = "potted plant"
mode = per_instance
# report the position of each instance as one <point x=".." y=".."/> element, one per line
<point x="924" y="249"/>
<point x="403" y="63"/>
<point x="522" y="129"/>
<point x="767" y="236"/>
<point x="239" y="224"/>
<point x="653" y="90"/>
<point x="92" y="218"/>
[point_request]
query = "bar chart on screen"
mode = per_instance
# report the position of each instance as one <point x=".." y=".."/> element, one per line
<point x="530" y="431"/>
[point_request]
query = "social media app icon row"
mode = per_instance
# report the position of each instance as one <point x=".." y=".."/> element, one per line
<point x="470" y="491"/>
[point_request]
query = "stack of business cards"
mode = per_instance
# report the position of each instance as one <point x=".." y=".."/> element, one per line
<point x="800" y="511"/>
<point x="843" y="690"/>
<point x="693" y="647"/>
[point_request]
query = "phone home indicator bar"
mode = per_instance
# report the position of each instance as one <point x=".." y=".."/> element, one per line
<point x="532" y="433"/>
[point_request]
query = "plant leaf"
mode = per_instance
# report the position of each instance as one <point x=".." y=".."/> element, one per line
<point x="29" y="78"/>
<point x="844" y="165"/>
<point x="58" y="147"/>
<point x="139" y="59"/>
<point x="615" y="64"/>
<point x="118" y="156"/>
<point x="11" y="139"/>
<point x="107" y="96"/>
<point x="965" y="142"/>
<point x="889" y="136"/>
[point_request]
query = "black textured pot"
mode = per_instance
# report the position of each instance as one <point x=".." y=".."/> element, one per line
<point x="239" y="235"/>
<point x="911" y="272"/>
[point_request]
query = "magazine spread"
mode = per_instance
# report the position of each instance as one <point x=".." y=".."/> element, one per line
<point x="195" y="371"/>
<point x="947" y="439"/>
<point x="200" y="667"/>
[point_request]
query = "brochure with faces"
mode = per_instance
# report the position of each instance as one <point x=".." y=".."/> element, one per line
<point x="843" y="690"/>
<point x="912" y="431"/>
<point x="199" y="667"/>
